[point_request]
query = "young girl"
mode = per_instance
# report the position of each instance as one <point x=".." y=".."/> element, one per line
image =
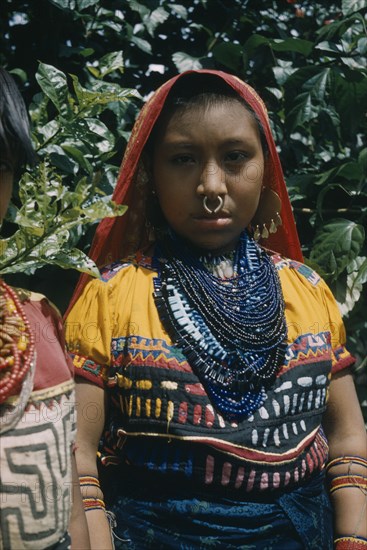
<point x="214" y="369"/>
<point x="37" y="420"/>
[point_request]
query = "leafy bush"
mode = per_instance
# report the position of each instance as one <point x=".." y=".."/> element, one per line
<point x="70" y="187"/>
<point x="306" y="59"/>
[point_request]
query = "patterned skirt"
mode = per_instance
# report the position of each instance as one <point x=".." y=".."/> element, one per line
<point x="157" y="513"/>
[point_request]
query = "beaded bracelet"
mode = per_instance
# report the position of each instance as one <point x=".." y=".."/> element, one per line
<point x="93" y="504"/>
<point x="89" y="481"/>
<point x="350" y="543"/>
<point x="342" y="482"/>
<point x="347" y="460"/>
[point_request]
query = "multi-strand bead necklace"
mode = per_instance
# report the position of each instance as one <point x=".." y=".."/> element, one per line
<point x="16" y="342"/>
<point x="232" y="330"/>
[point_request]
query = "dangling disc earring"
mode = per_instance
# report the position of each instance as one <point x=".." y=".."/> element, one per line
<point x="267" y="217"/>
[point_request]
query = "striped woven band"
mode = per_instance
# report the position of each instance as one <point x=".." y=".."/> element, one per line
<point x="93" y="504"/>
<point x="347" y="460"/>
<point x="342" y="482"/>
<point x="89" y="481"/>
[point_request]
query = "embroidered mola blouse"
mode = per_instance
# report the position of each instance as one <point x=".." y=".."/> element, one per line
<point x="161" y="417"/>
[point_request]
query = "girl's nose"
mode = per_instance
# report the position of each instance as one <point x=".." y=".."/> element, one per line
<point x="212" y="181"/>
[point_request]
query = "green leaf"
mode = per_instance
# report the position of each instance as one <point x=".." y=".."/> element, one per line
<point x="349" y="294"/>
<point x="78" y="156"/>
<point x="361" y="269"/>
<point x="106" y="139"/>
<point x="64" y="4"/>
<point x="11" y="248"/>
<point x="283" y="71"/>
<point x="47" y="218"/>
<point x="185" y="62"/>
<point x="362" y="46"/>
<point x="349" y="90"/>
<point x="304" y="110"/>
<point x="60" y="159"/>
<point x="154" y="19"/>
<point x="275" y="91"/>
<point x="142" y="10"/>
<point x="110" y="62"/>
<point x="49" y="254"/>
<point x="297" y="45"/>
<point x="103" y="93"/>
<point x="254" y="42"/>
<point x="321" y="202"/>
<point x="86" y="52"/>
<point x="339" y="27"/>
<point x="330" y="47"/>
<point x="317" y="84"/>
<point x="84" y="4"/>
<point x="336" y="244"/>
<point x="102" y="208"/>
<point x="330" y="120"/>
<point x="49" y="130"/>
<point x="75" y="259"/>
<point x="292" y="45"/>
<point x="351" y="6"/>
<point x="362" y="159"/>
<point x="199" y="27"/>
<point x="354" y="63"/>
<point x="300" y="180"/>
<point x="94" y="71"/>
<point x="53" y="84"/>
<point x="228" y="54"/>
<point x="348" y="170"/>
<point x="179" y="10"/>
<point x="20" y="73"/>
<point x="142" y="44"/>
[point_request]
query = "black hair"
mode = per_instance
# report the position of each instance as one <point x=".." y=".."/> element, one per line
<point x="14" y="123"/>
<point x="202" y="91"/>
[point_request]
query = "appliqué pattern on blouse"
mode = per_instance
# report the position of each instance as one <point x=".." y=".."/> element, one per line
<point x="36" y="461"/>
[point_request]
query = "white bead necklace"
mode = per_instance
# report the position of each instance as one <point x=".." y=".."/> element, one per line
<point x="220" y="266"/>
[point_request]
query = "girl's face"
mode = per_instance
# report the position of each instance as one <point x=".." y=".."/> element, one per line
<point x="215" y="152"/>
<point x="6" y="183"/>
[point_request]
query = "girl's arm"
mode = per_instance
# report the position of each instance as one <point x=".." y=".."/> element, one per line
<point x="78" y="523"/>
<point x="345" y="430"/>
<point x="90" y="406"/>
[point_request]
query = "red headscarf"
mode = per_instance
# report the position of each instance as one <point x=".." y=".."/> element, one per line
<point x="115" y="238"/>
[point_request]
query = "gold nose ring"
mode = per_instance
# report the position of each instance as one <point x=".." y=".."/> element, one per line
<point x="214" y="210"/>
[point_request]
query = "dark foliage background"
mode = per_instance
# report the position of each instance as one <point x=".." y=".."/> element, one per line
<point x="84" y="67"/>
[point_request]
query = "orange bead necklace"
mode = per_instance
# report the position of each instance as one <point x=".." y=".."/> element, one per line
<point x="17" y="344"/>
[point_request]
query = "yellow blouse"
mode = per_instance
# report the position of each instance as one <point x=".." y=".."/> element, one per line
<point x="117" y="341"/>
<point x="121" y="304"/>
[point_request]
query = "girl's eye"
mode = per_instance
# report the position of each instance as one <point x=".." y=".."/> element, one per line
<point x="183" y="160"/>
<point x="235" y="157"/>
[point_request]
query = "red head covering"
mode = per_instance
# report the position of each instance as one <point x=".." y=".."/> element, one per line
<point x="117" y="237"/>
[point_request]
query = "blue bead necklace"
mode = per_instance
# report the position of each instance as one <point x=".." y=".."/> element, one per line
<point x="231" y="330"/>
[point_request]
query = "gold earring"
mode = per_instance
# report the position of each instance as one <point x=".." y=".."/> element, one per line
<point x="264" y="232"/>
<point x="273" y="228"/>
<point x="267" y="217"/>
<point x="257" y="233"/>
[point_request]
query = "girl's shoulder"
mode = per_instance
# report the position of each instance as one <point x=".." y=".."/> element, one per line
<point x="302" y="285"/>
<point x="122" y="267"/>
<point x="292" y="268"/>
<point x="36" y="302"/>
